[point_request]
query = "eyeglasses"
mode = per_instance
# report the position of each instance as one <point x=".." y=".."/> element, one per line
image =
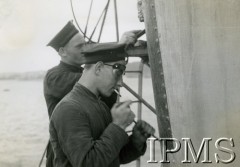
<point x="119" y="68"/>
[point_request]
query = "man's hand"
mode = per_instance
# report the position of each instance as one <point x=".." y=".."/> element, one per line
<point x="122" y="114"/>
<point x="141" y="131"/>
<point x="129" y="37"/>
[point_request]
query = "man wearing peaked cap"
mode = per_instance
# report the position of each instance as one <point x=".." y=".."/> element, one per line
<point x="84" y="132"/>
<point x="59" y="80"/>
<point x="106" y="52"/>
<point x="65" y="35"/>
<point x="70" y="44"/>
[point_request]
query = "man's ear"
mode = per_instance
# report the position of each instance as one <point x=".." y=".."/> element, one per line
<point x="98" y="67"/>
<point x="61" y="52"/>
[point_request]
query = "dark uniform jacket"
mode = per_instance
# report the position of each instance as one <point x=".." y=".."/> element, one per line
<point x="58" y="82"/>
<point x="82" y="133"/>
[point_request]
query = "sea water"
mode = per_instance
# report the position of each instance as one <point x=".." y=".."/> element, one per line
<point x="24" y="120"/>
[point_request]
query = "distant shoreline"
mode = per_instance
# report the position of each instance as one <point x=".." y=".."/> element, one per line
<point x="39" y="75"/>
<point x="35" y="75"/>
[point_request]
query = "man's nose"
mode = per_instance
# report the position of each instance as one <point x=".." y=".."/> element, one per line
<point x="120" y="81"/>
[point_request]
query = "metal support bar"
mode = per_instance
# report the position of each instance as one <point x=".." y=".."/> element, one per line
<point x="140" y="85"/>
<point x="137" y="51"/>
<point x="157" y="73"/>
<point x="139" y="113"/>
<point x="133" y="71"/>
<point x="139" y="98"/>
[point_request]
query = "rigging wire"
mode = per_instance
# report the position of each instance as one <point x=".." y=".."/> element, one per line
<point x="89" y="40"/>
<point x="103" y="22"/>
<point x="45" y="151"/>
<point x="85" y="32"/>
<point x="103" y="12"/>
<point x="116" y="20"/>
<point x="96" y="24"/>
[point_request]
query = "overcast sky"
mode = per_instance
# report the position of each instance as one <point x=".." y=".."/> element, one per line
<point x="26" y="26"/>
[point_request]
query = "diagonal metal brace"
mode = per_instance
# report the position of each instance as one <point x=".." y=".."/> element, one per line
<point x="139" y="98"/>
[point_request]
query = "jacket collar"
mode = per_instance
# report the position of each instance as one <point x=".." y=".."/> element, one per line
<point x="85" y="91"/>
<point x="71" y="67"/>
